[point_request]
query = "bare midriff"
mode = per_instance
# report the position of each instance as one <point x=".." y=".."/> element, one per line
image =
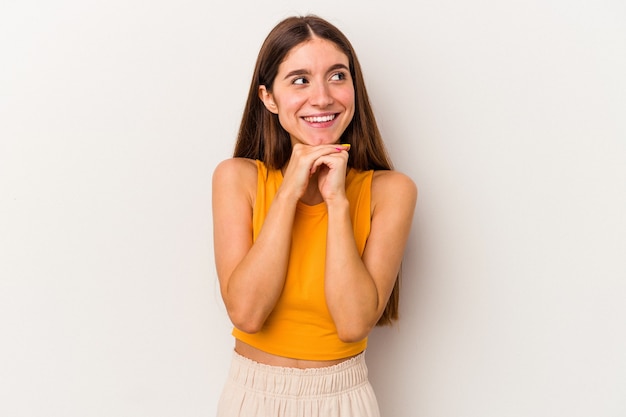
<point x="260" y="356"/>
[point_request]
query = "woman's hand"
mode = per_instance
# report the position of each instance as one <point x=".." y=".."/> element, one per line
<point x="331" y="169"/>
<point x="328" y="161"/>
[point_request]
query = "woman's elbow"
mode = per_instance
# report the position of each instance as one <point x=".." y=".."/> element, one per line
<point x="352" y="333"/>
<point x="246" y="321"/>
<point x="248" y="327"/>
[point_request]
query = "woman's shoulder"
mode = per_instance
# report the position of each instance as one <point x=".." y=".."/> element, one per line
<point x="393" y="179"/>
<point x="391" y="185"/>
<point x="238" y="163"/>
<point x="236" y="167"/>
<point x="236" y="173"/>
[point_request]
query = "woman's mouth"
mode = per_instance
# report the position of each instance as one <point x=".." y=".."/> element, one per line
<point x="320" y="119"/>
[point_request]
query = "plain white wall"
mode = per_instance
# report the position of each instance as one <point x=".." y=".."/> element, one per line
<point x="509" y="115"/>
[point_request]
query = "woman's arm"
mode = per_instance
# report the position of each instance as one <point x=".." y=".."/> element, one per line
<point x="251" y="275"/>
<point x="358" y="288"/>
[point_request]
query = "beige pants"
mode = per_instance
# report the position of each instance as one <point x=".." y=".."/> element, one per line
<point x="258" y="390"/>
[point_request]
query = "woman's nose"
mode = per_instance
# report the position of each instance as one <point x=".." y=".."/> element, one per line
<point x="321" y="95"/>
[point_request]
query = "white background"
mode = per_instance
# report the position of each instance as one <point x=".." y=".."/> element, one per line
<point x="509" y="115"/>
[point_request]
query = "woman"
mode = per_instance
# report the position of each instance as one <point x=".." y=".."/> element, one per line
<point x="310" y="226"/>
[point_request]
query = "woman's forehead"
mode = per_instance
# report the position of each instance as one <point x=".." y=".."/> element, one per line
<point x="312" y="53"/>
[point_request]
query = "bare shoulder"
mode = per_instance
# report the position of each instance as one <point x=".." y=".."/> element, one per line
<point x="389" y="185"/>
<point x="235" y="170"/>
<point x="235" y="167"/>
<point x="393" y="193"/>
<point x="235" y="175"/>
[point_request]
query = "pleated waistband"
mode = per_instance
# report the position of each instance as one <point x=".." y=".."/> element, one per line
<point x="296" y="382"/>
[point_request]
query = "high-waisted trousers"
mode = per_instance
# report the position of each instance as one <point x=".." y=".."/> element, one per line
<point x="258" y="390"/>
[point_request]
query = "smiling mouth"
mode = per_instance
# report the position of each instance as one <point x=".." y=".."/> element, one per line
<point x="320" y="119"/>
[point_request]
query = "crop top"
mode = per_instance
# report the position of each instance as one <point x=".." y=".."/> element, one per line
<point x="300" y="325"/>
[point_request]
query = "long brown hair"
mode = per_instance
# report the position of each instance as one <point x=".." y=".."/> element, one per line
<point x="262" y="137"/>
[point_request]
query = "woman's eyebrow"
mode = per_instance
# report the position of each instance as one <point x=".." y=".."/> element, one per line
<point x="338" y="66"/>
<point x="296" y="72"/>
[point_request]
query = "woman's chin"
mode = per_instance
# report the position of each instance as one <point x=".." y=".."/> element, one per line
<point x="324" y="141"/>
<point x="316" y="140"/>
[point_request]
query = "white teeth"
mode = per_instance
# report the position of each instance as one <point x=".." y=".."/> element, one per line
<point x="320" y="119"/>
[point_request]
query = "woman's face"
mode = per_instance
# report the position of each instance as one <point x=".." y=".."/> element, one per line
<point x="313" y="94"/>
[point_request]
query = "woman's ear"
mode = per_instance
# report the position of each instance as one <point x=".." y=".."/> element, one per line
<point x="267" y="99"/>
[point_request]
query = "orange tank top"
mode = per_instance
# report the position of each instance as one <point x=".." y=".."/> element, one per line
<point x="300" y="326"/>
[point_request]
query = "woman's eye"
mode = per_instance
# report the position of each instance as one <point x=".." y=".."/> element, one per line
<point x="338" y="76"/>
<point x="299" y="81"/>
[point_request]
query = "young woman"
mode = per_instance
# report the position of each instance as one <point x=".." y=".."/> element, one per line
<point x="310" y="227"/>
